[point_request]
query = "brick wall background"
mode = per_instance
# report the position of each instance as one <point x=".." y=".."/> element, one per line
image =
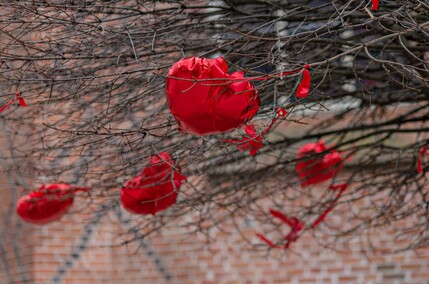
<point x="87" y="247"/>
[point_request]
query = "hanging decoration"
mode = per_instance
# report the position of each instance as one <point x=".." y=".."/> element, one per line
<point x="205" y="99"/>
<point x="155" y="189"/>
<point x="319" y="168"/>
<point x="304" y="85"/>
<point x="253" y="141"/>
<point x="375" y="4"/>
<point x="46" y="204"/>
<point x="422" y="151"/>
<point x="296" y="226"/>
<point x="17" y="98"/>
<point x="339" y="189"/>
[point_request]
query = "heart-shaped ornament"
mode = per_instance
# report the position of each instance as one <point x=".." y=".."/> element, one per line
<point x="46" y="204"/>
<point x="205" y="99"/>
<point x="155" y="189"/>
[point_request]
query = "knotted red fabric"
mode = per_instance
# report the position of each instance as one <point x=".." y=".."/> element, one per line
<point x="205" y="99"/>
<point x="422" y="151"/>
<point x="155" y="189"/>
<point x="375" y="4"/>
<point x="253" y="141"/>
<point x="17" y="98"/>
<point x="339" y="189"/>
<point x="304" y="85"/>
<point x="46" y="204"/>
<point x="319" y="168"/>
<point x="295" y="225"/>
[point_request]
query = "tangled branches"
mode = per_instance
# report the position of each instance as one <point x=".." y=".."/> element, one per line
<point x="93" y="72"/>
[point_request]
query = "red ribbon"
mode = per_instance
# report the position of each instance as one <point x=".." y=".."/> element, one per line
<point x="375" y="4"/>
<point x="340" y="188"/>
<point x="267" y="241"/>
<point x="304" y="86"/>
<point x="422" y="151"/>
<point x="17" y="98"/>
<point x="253" y="141"/>
<point x="294" y="223"/>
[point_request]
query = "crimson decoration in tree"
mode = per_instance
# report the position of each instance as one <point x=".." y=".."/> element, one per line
<point x="155" y="189"/>
<point x="205" y="99"/>
<point x="46" y="204"/>
<point x="318" y="168"/>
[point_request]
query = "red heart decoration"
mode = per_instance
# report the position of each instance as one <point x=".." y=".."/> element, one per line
<point x="205" y="99"/>
<point x="46" y="204"/>
<point x="317" y="169"/>
<point x="155" y="189"/>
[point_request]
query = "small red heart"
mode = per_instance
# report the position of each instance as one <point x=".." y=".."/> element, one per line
<point x="205" y="99"/>
<point x="155" y="189"/>
<point x="317" y="169"/>
<point x="45" y="205"/>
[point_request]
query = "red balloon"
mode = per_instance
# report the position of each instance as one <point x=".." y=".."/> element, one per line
<point x="320" y="168"/>
<point x="204" y="106"/>
<point x="155" y="189"/>
<point x="46" y="204"/>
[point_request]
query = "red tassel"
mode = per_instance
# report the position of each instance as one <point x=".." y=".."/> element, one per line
<point x="422" y="151"/>
<point x="294" y="223"/>
<point x="6" y="105"/>
<point x="17" y="98"/>
<point x="304" y="86"/>
<point x="267" y="241"/>
<point x="20" y="99"/>
<point x="282" y="217"/>
<point x="341" y="188"/>
<point x="375" y="4"/>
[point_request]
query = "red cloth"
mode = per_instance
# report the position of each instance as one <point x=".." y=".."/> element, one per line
<point x="375" y="4"/>
<point x="304" y="85"/>
<point x="46" y="204"/>
<point x="253" y="140"/>
<point x="295" y="225"/>
<point x="17" y="98"/>
<point x="155" y="189"/>
<point x="320" y="168"/>
<point x="209" y="106"/>
<point x="422" y="151"/>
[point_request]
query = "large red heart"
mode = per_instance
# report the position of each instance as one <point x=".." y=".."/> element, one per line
<point x="46" y="204"/>
<point x="317" y="169"/>
<point x="155" y="189"/>
<point x="202" y="105"/>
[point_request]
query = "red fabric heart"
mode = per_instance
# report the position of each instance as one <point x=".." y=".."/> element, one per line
<point x="155" y="189"/>
<point x="317" y="169"/>
<point x="46" y="204"/>
<point x="375" y="4"/>
<point x="202" y="105"/>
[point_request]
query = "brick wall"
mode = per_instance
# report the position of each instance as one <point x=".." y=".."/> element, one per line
<point x="87" y="247"/>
